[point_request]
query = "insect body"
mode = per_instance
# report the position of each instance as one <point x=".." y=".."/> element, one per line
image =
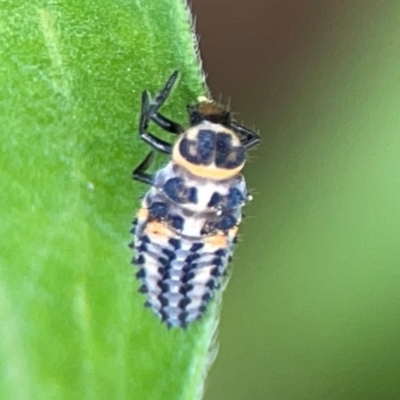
<point x="187" y="225"/>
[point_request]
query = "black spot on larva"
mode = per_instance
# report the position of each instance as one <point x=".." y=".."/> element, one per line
<point x="169" y="253"/>
<point x="196" y="246"/>
<point x="211" y="284"/>
<point x="223" y="149"/>
<point x="142" y="247"/>
<point x="139" y="260"/>
<point x="235" y="240"/>
<point x="143" y="289"/>
<point x="183" y="316"/>
<point x="163" y="261"/>
<point x="217" y="261"/>
<point x="228" y="156"/>
<point x="166" y="274"/>
<point x="220" y="253"/>
<point x="164" y="315"/>
<point x="206" y="297"/>
<point x="178" y="192"/>
<point x="205" y="146"/>
<point x="158" y="210"/>
<point x="216" y="272"/>
<point x="184" y="302"/>
<point x="215" y="200"/>
<point x="192" y="195"/>
<point x="230" y="258"/>
<point x="236" y="158"/>
<point x="234" y="198"/>
<point x="222" y="223"/>
<point x="163" y="286"/>
<point x="188" y="287"/>
<point x="182" y="290"/>
<point x="174" y="189"/>
<point x="188" y="277"/>
<point x="189" y="267"/>
<point x="163" y="300"/>
<point x="199" y="151"/>
<point x="187" y="149"/>
<point x="176" y="222"/>
<point x="226" y="222"/>
<point x="141" y="273"/>
<point x="176" y="243"/>
<point x="131" y="245"/>
<point x="145" y="239"/>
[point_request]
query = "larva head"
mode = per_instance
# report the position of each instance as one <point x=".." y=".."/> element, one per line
<point x="210" y="148"/>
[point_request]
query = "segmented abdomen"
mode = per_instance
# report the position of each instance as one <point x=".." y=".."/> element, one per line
<point x="183" y="238"/>
<point x="179" y="275"/>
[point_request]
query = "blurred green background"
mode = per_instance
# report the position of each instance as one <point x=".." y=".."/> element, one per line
<point x="313" y="307"/>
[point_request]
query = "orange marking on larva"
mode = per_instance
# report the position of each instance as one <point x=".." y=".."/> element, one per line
<point x="142" y="214"/>
<point x="157" y="229"/>
<point x="204" y="171"/>
<point x="233" y="232"/>
<point x="219" y="240"/>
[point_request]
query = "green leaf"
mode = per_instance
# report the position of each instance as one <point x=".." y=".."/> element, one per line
<point x="72" y="323"/>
